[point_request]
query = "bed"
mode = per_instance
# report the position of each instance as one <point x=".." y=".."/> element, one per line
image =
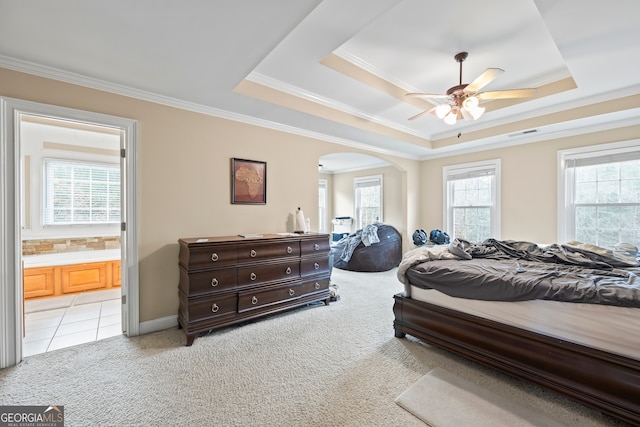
<point x="566" y="317"/>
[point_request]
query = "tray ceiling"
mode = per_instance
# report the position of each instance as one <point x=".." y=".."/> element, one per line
<point x="338" y="70"/>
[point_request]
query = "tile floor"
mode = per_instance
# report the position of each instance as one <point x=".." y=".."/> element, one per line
<point x="55" y="323"/>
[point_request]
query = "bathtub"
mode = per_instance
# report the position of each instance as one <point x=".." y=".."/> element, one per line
<point x="66" y="273"/>
<point x="71" y="258"/>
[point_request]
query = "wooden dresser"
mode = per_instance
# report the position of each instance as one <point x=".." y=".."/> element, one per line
<point x="231" y="279"/>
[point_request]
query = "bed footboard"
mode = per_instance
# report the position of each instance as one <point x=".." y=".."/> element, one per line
<point x="608" y="382"/>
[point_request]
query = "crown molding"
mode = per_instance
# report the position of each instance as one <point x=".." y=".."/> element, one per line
<point x="77" y="79"/>
<point x="313" y="97"/>
<point x="93" y="83"/>
<point x="522" y="138"/>
<point x="348" y="56"/>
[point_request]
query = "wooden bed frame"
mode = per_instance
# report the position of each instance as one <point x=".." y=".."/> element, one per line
<point x="608" y="382"/>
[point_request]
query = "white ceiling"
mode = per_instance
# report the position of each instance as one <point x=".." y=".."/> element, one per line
<point x="338" y="69"/>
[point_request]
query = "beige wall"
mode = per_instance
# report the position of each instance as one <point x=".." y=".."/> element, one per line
<point x="529" y="184"/>
<point x="393" y="210"/>
<point x="184" y="172"/>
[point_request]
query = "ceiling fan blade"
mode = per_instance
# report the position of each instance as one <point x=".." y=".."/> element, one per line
<point x="504" y="94"/>
<point x="483" y="79"/>
<point x="426" y="95"/>
<point x="424" y="113"/>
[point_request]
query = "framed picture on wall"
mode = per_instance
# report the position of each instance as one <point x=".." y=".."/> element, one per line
<point x="248" y="182"/>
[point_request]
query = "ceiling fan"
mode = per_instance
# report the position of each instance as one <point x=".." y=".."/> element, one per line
<point x="464" y="98"/>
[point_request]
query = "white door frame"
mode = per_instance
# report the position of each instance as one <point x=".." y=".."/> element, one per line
<point x="11" y="287"/>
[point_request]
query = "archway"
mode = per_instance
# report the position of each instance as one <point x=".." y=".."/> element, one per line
<point x="341" y="170"/>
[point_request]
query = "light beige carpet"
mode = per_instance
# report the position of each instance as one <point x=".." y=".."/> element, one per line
<point x="442" y="399"/>
<point x="323" y="366"/>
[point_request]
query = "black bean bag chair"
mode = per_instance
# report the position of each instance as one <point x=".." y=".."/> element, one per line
<point x="381" y="256"/>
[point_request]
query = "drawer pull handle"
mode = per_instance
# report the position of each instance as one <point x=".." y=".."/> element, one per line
<point x="316" y="265"/>
<point x="289" y="249"/>
<point x="316" y="247"/>
<point x="291" y="292"/>
<point x="215" y="308"/>
<point x="254" y="300"/>
<point x="316" y="285"/>
<point x="214" y="257"/>
<point x="253" y="276"/>
<point x="253" y="253"/>
<point x="288" y="270"/>
<point x="214" y="282"/>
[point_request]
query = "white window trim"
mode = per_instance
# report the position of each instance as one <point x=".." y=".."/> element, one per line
<point x="323" y="219"/>
<point x="566" y="212"/>
<point x="447" y="214"/>
<point x="11" y="288"/>
<point x="33" y="152"/>
<point x="364" y="179"/>
<point x="48" y="198"/>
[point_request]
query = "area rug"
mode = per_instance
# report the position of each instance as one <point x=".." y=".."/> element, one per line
<point x="442" y="399"/>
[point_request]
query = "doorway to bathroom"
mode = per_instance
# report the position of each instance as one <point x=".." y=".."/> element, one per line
<point x="70" y="232"/>
<point x="68" y="213"/>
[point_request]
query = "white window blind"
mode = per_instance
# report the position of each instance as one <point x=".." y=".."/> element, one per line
<point x="471" y="205"/>
<point x="368" y="200"/>
<point x="81" y="193"/>
<point x="601" y="196"/>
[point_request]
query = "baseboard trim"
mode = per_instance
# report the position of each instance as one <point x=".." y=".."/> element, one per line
<point x="159" y="324"/>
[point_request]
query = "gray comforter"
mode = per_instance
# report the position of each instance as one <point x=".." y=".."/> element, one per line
<point x="517" y="271"/>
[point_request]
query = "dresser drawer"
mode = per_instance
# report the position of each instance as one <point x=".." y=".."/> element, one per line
<point x="203" y="282"/>
<point x="210" y="307"/>
<point x="256" y="251"/>
<point x="257" y="298"/>
<point x="228" y="280"/>
<point x="314" y="246"/>
<point x="312" y="286"/>
<point x="265" y="273"/>
<point x="313" y="266"/>
<point x="210" y="256"/>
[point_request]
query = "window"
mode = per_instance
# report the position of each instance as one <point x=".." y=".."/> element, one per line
<point x="368" y="200"/>
<point x="472" y="200"/>
<point x="322" y="206"/>
<point x="81" y="192"/>
<point x="599" y="195"/>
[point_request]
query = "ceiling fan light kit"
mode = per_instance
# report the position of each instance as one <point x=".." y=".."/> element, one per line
<point x="442" y="110"/>
<point x="464" y="99"/>
<point x="451" y="118"/>
<point x="470" y="103"/>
